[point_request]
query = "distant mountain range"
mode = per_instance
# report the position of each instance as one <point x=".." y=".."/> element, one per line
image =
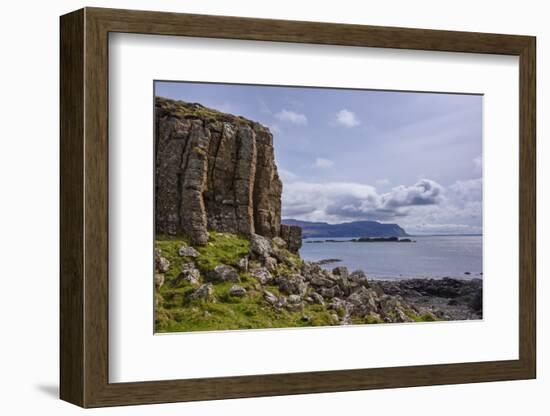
<point x="347" y="229"/>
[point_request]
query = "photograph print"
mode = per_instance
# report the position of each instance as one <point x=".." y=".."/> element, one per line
<point x="284" y="207"/>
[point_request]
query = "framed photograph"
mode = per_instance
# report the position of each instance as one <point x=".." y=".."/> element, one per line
<point x="255" y="207"/>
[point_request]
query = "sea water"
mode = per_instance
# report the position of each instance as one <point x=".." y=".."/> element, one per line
<point x="430" y="256"/>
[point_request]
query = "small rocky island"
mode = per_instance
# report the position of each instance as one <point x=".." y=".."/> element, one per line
<point x="224" y="260"/>
<point x="391" y="239"/>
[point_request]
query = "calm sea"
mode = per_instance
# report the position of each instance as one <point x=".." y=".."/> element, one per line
<point x="430" y="256"/>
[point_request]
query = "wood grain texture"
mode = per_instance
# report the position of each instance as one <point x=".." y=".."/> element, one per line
<point x="84" y="207"/>
<point x="225" y="27"/>
<point x="71" y="100"/>
<point x="96" y="219"/>
<point x="527" y="208"/>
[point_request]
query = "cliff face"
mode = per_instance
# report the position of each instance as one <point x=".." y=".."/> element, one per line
<point x="215" y="171"/>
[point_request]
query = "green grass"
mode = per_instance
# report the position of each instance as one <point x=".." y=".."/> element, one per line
<point x="177" y="312"/>
<point x="229" y="312"/>
<point x="169" y="247"/>
<point x="250" y="314"/>
<point x="187" y="110"/>
<point x="222" y="248"/>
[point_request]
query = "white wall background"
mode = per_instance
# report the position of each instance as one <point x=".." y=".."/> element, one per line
<point x="29" y="212"/>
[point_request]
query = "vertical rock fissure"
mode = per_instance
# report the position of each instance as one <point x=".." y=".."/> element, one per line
<point x="212" y="166"/>
<point x="213" y="219"/>
<point x="180" y="180"/>
<point x="225" y="178"/>
<point x="235" y="177"/>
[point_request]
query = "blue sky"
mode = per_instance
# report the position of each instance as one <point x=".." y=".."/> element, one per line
<point x="346" y="155"/>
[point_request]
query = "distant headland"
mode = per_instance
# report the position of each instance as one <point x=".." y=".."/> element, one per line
<point x="347" y="229"/>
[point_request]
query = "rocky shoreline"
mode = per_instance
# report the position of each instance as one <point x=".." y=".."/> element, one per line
<point x="450" y="299"/>
<point x="267" y="286"/>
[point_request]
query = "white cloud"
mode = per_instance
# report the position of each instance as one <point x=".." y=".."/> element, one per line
<point x="321" y="163"/>
<point x="344" y="201"/>
<point x="424" y="192"/>
<point x="383" y="182"/>
<point x="347" y="118"/>
<point x="312" y="201"/>
<point x="291" y="117"/>
<point x="460" y="212"/>
<point x="425" y="207"/>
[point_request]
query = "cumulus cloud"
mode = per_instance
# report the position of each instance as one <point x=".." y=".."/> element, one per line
<point x="383" y="182"/>
<point x="347" y="118"/>
<point x="425" y="207"/>
<point x="424" y="192"/>
<point x="343" y="201"/>
<point x="313" y="201"/>
<point x="460" y="212"/>
<point x="291" y="117"/>
<point x="321" y="163"/>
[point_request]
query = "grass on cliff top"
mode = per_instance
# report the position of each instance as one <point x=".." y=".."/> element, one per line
<point x="198" y="111"/>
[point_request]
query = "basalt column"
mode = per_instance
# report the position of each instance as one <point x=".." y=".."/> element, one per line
<point x="214" y="171"/>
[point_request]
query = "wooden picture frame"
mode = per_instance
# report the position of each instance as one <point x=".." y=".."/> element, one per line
<point x="84" y="207"/>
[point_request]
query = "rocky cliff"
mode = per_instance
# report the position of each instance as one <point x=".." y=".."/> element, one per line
<point x="215" y="171"/>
